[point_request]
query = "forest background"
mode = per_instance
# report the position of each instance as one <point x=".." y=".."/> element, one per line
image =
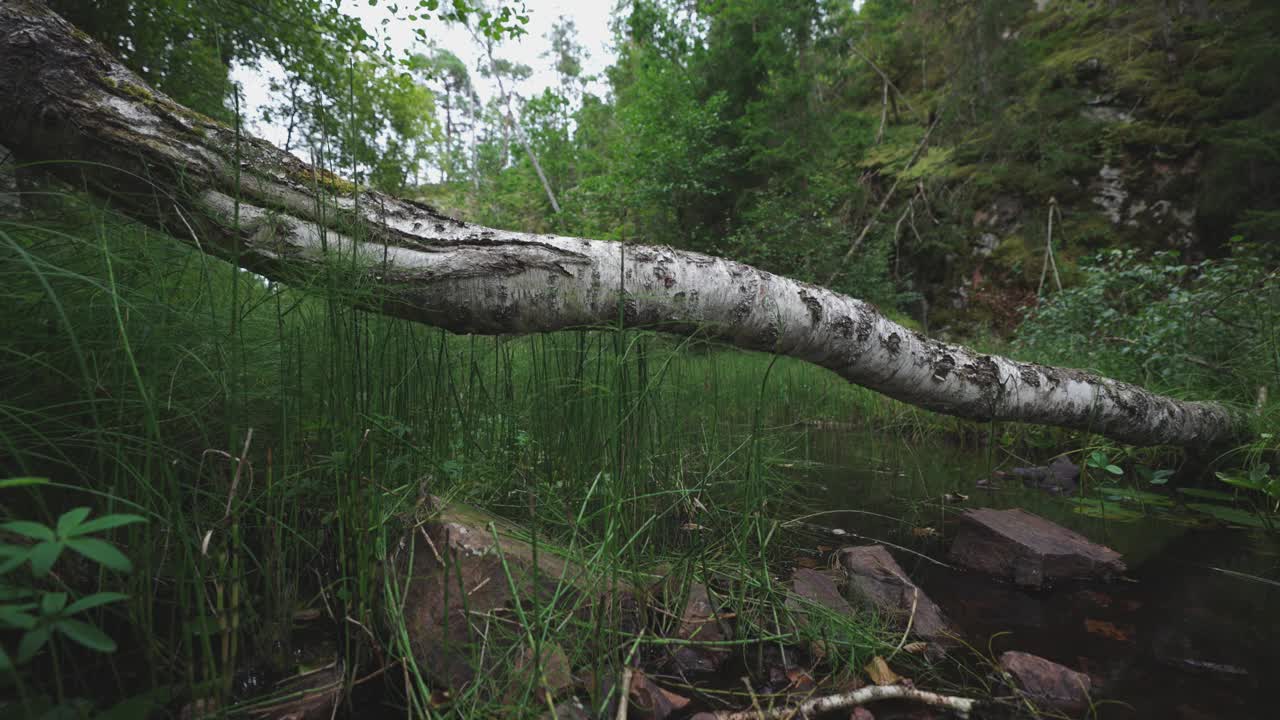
<point x="1079" y="182"/>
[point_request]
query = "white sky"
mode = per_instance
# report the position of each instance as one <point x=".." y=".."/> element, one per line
<point x="591" y="17"/>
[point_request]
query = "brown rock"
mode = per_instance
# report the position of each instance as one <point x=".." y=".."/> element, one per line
<point x="1046" y="683"/>
<point x="876" y="579"/>
<point x="459" y="593"/>
<point x="651" y="701"/>
<point x="699" y="620"/>
<point x="549" y="671"/>
<point x="812" y="591"/>
<point x="810" y="588"/>
<point x="1028" y="549"/>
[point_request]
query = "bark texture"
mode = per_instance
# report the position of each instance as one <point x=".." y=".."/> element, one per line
<point x="67" y="101"/>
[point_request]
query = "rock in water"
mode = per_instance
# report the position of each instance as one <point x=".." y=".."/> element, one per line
<point x="1028" y="549"/>
<point x="876" y="579"/>
<point x="1058" y="477"/>
<point x="1049" y="685"/>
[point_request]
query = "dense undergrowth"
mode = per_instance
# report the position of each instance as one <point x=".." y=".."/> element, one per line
<point x="275" y="447"/>
<point x="260" y="454"/>
<point x="264" y="451"/>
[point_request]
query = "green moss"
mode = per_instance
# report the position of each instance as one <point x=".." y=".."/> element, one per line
<point x="324" y="179"/>
<point x="137" y="92"/>
<point x="1012" y="253"/>
<point x="195" y="121"/>
<point x="1146" y="135"/>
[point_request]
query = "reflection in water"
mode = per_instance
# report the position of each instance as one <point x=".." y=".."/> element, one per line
<point x="1187" y="635"/>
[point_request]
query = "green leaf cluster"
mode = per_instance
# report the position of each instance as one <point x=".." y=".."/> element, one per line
<point x="29" y="605"/>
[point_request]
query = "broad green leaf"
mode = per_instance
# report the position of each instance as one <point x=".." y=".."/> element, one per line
<point x="43" y="556"/>
<point x="1114" y="470"/>
<point x="107" y="522"/>
<point x="22" y="481"/>
<point x="1240" y="482"/>
<point x="13" y="559"/>
<point x="32" y="642"/>
<point x="1207" y="494"/>
<point x="1143" y="496"/>
<point x="1095" y="508"/>
<point x="9" y="593"/>
<point x="52" y="603"/>
<point x="35" y="531"/>
<point x="71" y="520"/>
<point x="86" y="634"/>
<point x="93" y="601"/>
<point x="1232" y="515"/>
<point x="101" y="552"/>
<point x="17" y="616"/>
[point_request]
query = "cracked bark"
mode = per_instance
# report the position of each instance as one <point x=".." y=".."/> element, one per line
<point x="68" y="101"/>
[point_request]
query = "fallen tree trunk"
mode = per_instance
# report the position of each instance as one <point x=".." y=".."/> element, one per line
<point x="68" y="102"/>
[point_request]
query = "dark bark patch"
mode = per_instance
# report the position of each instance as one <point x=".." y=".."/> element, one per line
<point x="664" y="274"/>
<point x="844" y="327"/>
<point x="742" y="309"/>
<point x="813" y="304"/>
<point x="865" y="326"/>
<point x="1029" y="376"/>
<point x="982" y="372"/>
<point x="942" y="367"/>
<point x="892" y="343"/>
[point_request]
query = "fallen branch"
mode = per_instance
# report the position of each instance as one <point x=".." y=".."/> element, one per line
<point x="829" y="703"/>
<point x="70" y="105"/>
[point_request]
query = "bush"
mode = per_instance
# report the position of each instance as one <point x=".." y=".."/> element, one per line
<point x="1209" y="327"/>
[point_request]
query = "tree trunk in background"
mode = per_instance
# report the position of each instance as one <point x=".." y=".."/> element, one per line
<point x="67" y="99"/>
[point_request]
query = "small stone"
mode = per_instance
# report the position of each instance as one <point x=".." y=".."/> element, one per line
<point x="810" y="587"/>
<point x="876" y="579"/>
<point x="650" y="701"/>
<point x="1046" y="683"/>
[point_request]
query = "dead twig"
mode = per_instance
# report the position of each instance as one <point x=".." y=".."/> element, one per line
<point x="857" y="242"/>
<point x="829" y="703"/>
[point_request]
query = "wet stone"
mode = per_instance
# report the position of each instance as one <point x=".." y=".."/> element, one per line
<point x="1058" y="477"/>
<point x="1028" y="549"/>
<point x="876" y="579"/>
<point x="1049" y="685"/>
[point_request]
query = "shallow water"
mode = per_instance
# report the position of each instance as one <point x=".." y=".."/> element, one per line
<point x="1186" y="634"/>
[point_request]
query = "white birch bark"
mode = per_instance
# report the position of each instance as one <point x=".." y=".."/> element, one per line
<point x="67" y="100"/>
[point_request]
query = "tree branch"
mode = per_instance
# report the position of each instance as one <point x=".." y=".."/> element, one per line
<point x="69" y="102"/>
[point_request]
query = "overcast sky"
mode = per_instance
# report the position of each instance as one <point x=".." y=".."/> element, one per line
<point x="591" y="16"/>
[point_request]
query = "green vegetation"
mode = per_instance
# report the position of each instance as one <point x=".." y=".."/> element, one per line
<point x="234" y="468"/>
<point x="279" y="442"/>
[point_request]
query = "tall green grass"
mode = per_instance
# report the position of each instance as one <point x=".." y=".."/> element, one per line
<point x="279" y="442"/>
